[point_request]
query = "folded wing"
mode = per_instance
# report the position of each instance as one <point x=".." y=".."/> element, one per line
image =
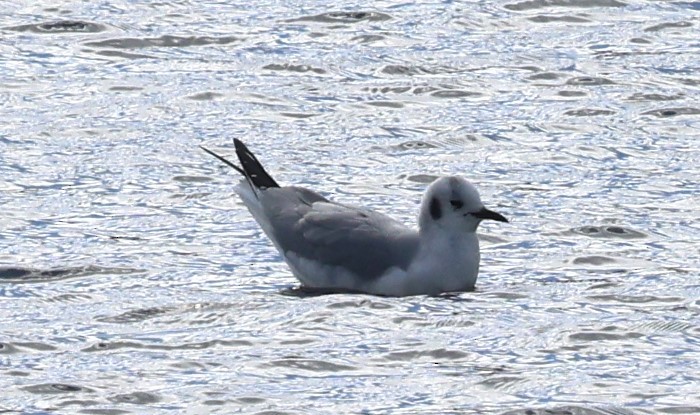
<point x="365" y="242"/>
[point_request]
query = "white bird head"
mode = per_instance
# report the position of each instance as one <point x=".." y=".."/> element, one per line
<point x="452" y="203"/>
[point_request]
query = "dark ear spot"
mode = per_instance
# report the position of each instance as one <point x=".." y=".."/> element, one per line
<point x="435" y="210"/>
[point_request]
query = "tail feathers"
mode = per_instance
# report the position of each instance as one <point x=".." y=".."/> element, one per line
<point x="254" y="171"/>
<point x="238" y="169"/>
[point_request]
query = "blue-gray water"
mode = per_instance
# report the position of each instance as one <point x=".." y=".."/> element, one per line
<point x="133" y="281"/>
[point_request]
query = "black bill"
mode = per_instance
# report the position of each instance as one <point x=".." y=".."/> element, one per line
<point x="489" y="214"/>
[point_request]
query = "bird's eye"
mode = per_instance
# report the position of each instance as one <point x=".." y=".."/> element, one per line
<point x="457" y="204"/>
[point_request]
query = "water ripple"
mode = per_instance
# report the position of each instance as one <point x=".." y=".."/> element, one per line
<point x="132" y="279"/>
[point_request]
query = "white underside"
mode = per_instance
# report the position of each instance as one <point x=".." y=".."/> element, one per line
<point x="433" y="271"/>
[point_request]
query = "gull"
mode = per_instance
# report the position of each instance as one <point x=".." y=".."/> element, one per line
<point x="334" y="247"/>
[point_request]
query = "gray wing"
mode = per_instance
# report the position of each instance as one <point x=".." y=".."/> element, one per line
<point x="363" y="241"/>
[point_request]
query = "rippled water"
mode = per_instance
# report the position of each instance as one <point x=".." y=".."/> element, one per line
<point x="131" y="281"/>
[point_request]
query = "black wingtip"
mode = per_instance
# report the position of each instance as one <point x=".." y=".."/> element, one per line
<point x="252" y="167"/>
<point x="238" y="169"/>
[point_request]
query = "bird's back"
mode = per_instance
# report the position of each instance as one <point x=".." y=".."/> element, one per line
<point x="304" y="224"/>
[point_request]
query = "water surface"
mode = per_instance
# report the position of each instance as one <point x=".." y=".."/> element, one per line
<point x="132" y="281"/>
